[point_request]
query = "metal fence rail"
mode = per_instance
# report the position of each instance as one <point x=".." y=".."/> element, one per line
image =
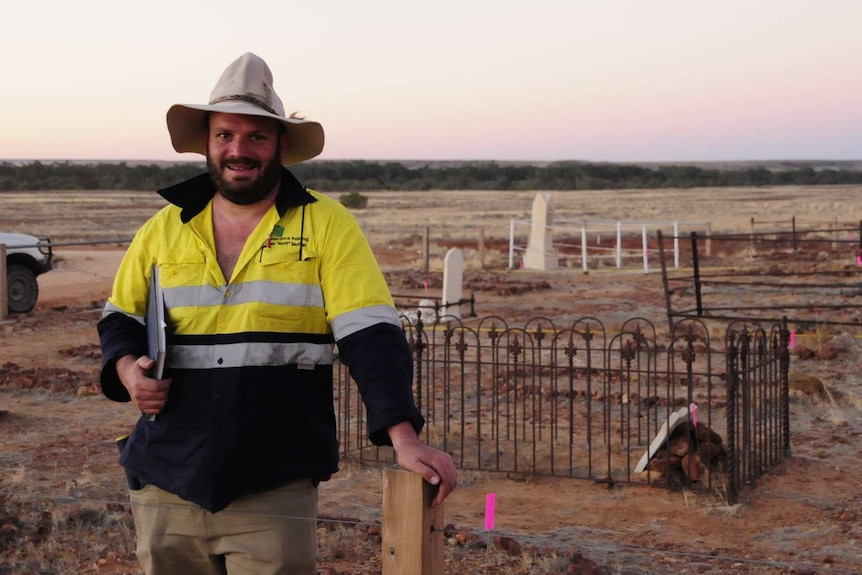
<point x="811" y="276"/>
<point x="584" y="402"/>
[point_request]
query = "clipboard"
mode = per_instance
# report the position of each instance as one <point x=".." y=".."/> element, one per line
<point x="156" y="341"/>
<point x="156" y="325"/>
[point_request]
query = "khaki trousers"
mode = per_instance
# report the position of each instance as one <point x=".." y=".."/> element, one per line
<point x="269" y="533"/>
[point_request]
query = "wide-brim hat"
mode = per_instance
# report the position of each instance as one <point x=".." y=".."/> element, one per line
<point x="245" y="87"/>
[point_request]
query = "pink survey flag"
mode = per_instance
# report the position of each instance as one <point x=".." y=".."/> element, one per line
<point x="490" y="503"/>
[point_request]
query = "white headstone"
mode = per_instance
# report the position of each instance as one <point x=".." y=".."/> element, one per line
<point x="675" y="420"/>
<point x="427" y="311"/>
<point x="453" y="277"/>
<point x="540" y="254"/>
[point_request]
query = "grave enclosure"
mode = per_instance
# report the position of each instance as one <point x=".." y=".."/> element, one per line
<point x="587" y="400"/>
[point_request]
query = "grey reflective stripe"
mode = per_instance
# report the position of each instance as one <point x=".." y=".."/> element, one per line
<point x="353" y="321"/>
<point x="193" y="296"/>
<point x="305" y="295"/>
<point x="248" y="354"/>
<point x="111" y="308"/>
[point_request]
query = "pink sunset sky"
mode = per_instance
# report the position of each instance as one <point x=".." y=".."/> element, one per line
<point x="599" y="80"/>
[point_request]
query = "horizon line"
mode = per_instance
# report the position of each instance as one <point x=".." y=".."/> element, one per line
<point x="444" y="161"/>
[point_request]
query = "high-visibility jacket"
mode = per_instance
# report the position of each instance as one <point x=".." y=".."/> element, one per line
<point x="250" y="405"/>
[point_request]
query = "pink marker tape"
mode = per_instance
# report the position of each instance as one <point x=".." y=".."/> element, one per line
<point x="692" y="409"/>
<point x="490" y="503"/>
<point x="859" y="260"/>
<point x="792" y="338"/>
<point x="425" y="283"/>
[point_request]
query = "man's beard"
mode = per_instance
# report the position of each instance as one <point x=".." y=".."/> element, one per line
<point x="247" y="192"/>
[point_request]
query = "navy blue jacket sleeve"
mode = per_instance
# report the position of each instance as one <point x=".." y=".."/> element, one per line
<point x="380" y="362"/>
<point x="119" y="335"/>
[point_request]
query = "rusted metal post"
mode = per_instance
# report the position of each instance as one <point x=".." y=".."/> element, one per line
<point x="665" y="282"/>
<point x="733" y="480"/>
<point x="418" y="350"/>
<point x="695" y="264"/>
<point x="412" y="529"/>
<point x="744" y="381"/>
<point x="784" y="355"/>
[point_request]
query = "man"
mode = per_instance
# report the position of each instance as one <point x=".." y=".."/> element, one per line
<point x="260" y="277"/>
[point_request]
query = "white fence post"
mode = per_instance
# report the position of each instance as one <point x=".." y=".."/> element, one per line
<point x="619" y="245"/>
<point x="646" y="253"/>
<point x="620" y="254"/>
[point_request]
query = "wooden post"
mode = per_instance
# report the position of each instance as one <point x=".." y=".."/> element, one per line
<point x="412" y="529"/>
<point x="4" y="296"/>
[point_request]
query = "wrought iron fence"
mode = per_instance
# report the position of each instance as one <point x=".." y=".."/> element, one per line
<point x="583" y="401"/>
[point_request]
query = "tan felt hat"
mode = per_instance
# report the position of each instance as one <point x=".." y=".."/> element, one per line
<point x="245" y="87"/>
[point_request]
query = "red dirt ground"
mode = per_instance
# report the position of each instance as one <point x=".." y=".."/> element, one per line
<point x="62" y="492"/>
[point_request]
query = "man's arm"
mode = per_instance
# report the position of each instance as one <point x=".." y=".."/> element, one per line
<point x="381" y="364"/>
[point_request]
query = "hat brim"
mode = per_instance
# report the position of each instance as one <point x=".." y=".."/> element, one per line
<point x="187" y="125"/>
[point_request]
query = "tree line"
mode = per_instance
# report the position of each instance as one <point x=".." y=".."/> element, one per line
<point x="334" y="176"/>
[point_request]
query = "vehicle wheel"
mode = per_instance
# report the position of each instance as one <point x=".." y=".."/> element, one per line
<point x="23" y="289"/>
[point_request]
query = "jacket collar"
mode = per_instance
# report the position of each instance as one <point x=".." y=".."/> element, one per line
<point x="193" y="195"/>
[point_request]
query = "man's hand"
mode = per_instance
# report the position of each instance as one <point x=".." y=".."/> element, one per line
<point x="436" y="467"/>
<point x="148" y="394"/>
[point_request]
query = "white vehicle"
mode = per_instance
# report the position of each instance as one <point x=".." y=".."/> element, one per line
<point x="26" y="257"/>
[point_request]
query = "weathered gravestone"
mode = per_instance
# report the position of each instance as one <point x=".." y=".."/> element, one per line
<point x="453" y="276"/>
<point x="540" y="254"/>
